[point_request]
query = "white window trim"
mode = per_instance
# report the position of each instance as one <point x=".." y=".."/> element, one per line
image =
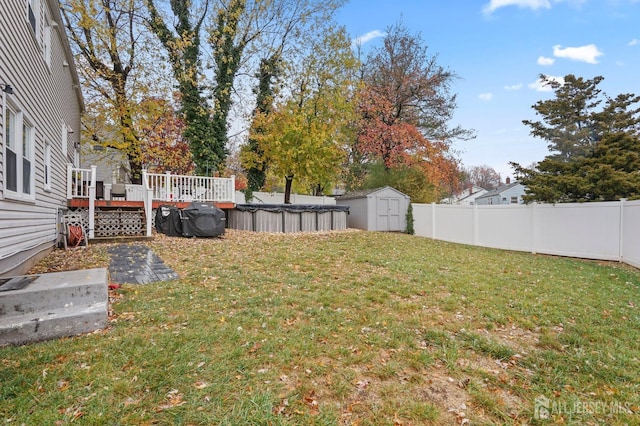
<point x="20" y="119"/>
<point x="46" y="41"/>
<point x="36" y="8"/>
<point x="64" y="140"/>
<point x="6" y="110"/>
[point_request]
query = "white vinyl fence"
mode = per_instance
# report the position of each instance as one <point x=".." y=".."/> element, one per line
<point x="606" y="231"/>
<point x="278" y="198"/>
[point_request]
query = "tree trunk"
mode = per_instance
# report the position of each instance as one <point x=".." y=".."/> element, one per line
<point x="287" y="189"/>
<point x="129" y="134"/>
<point x="135" y="170"/>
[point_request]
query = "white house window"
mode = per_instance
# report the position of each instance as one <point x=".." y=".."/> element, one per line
<point x="33" y="13"/>
<point x="514" y="200"/>
<point x="19" y="155"/>
<point x="11" y="168"/>
<point x="27" y="156"/>
<point x="47" y="166"/>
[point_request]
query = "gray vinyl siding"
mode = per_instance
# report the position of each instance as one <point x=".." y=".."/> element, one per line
<point x="49" y="97"/>
<point x="516" y="191"/>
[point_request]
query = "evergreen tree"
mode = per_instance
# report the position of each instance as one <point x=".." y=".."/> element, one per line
<point x="410" y="230"/>
<point x="569" y="122"/>
<point x="595" y="153"/>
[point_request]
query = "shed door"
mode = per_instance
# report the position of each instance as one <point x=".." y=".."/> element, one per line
<point x="388" y="214"/>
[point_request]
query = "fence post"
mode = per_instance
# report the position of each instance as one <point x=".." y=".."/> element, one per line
<point x="535" y="223"/>
<point x="433" y="220"/>
<point x="147" y="197"/>
<point x="233" y="189"/>
<point x="168" y="188"/>
<point x="621" y="231"/>
<point x="475" y="224"/>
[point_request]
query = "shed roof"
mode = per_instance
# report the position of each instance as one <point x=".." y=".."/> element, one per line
<point x="365" y="193"/>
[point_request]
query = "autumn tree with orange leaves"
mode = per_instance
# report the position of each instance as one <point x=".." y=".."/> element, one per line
<point x="405" y="105"/>
<point x="163" y="146"/>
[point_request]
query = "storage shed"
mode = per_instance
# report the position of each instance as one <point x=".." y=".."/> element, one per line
<point x="380" y="209"/>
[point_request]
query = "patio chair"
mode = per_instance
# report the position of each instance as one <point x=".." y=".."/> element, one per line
<point x="118" y="190"/>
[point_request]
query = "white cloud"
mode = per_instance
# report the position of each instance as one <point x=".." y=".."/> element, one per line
<point x="633" y="42"/>
<point x="513" y="87"/>
<point x="588" y="53"/>
<point x="485" y="96"/>
<point x="532" y="4"/>
<point x="540" y="86"/>
<point x="368" y="37"/>
<point x="545" y="62"/>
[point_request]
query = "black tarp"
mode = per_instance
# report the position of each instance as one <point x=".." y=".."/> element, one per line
<point x="202" y="220"/>
<point x="168" y="221"/>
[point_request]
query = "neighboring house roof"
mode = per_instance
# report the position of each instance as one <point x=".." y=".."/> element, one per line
<point x="467" y="194"/>
<point x="499" y="190"/>
<point x="472" y="196"/>
<point x="363" y="193"/>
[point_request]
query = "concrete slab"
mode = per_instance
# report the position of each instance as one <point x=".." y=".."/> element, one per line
<point x="52" y="324"/>
<point x="55" y="305"/>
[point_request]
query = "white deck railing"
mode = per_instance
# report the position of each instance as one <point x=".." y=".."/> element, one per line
<point x="168" y="187"/>
<point x="81" y="183"/>
<point x="163" y="187"/>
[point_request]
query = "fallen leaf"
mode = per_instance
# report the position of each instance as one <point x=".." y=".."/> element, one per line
<point x="312" y="402"/>
<point x="174" y="398"/>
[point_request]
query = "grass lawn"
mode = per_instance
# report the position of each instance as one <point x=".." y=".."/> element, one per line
<point x="342" y="328"/>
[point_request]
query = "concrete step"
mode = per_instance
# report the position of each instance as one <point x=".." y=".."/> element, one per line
<point x="54" y="305"/>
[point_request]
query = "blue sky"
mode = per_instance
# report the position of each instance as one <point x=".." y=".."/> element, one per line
<point x="498" y="48"/>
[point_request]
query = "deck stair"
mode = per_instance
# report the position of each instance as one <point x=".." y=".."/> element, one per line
<point x="48" y="306"/>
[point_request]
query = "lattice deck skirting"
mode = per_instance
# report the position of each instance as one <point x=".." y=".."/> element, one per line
<point x="82" y="214"/>
<point x="120" y="222"/>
